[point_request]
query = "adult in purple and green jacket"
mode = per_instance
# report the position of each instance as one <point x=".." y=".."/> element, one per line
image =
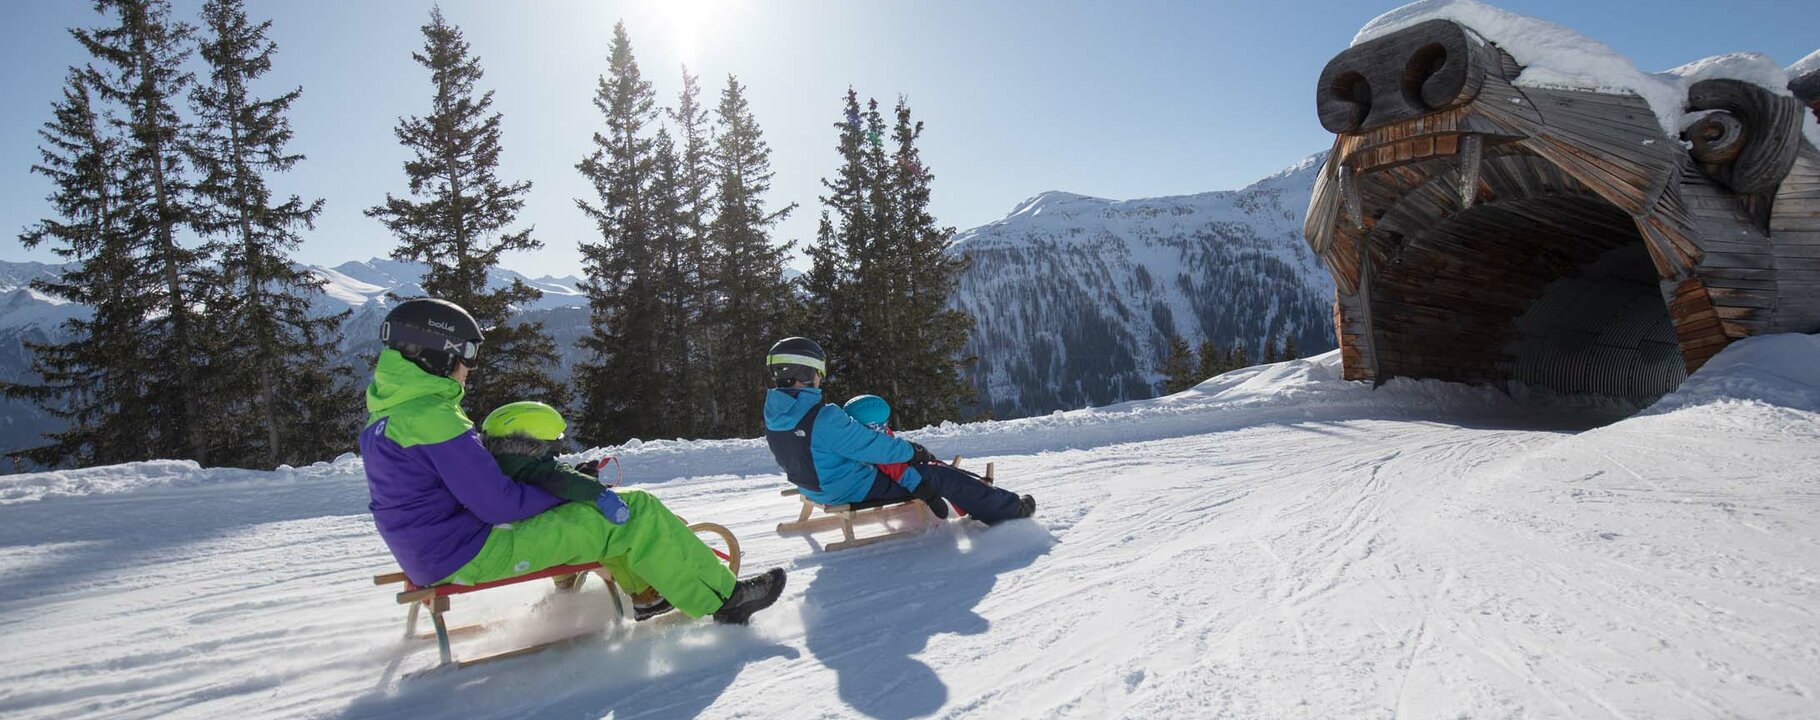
<point x="450" y="515"/>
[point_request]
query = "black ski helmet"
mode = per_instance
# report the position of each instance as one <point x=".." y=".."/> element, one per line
<point x="796" y="359"/>
<point x="432" y="333"/>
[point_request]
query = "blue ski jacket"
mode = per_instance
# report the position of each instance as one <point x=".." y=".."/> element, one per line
<point x="823" y="451"/>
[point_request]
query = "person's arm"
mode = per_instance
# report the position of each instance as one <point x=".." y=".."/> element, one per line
<point x="560" y="479"/>
<point x="470" y="473"/>
<point x="849" y="439"/>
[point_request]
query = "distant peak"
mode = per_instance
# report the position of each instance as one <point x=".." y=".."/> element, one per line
<point x="1047" y="200"/>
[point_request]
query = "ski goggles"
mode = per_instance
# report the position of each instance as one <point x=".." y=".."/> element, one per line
<point x="812" y="363"/>
<point x="398" y="333"/>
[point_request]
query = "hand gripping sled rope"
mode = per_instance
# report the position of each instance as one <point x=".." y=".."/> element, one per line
<point x="436" y="598"/>
<point x="902" y="517"/>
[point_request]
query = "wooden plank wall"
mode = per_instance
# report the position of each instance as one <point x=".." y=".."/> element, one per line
<point x="1795" y="228"/>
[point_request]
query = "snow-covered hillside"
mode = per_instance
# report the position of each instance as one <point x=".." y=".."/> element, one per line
<point x="1274" y="543"/>
<point x="357" y="284"/>
<point x="1076" y="297"/>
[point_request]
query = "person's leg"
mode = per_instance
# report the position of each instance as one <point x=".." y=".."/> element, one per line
<point x="884" y="488"/>
<point x="653" y="549"/>
<point x="987" y="503"/>
<point x="664" y="552"/>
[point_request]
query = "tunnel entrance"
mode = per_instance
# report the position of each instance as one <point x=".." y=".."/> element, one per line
<point x="1604" y="332"/>
<point x="1554" y="291"/>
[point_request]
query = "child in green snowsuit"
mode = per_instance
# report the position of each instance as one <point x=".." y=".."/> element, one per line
<point x="523" y="438"/>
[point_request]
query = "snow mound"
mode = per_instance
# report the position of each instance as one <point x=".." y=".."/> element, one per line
<point x="1779" y="370"/>
<point x="1805" y="65"/>
<point x="1750" y="67"/>
<point x="151" y="474"/>
<point x="1555" y="57"/>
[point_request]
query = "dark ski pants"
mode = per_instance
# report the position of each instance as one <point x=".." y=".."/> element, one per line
<point x="984" y="502"/>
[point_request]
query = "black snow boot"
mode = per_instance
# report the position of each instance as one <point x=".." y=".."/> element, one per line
<point x="1026" y="506"/>
<point x="749" y="596"/>
<point x="645" y="611"/>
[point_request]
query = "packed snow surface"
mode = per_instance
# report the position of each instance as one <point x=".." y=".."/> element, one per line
<point x="1276" y="542"/>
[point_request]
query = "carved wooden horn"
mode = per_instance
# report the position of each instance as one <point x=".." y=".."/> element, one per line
<point x="1748" y="140"/>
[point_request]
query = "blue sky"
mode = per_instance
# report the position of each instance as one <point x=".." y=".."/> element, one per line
<point x="1121" y="100"/>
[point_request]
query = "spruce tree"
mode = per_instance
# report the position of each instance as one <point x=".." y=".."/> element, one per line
<point x="1178" y="367"/>
<point x="925" y="335"/>
<point x="674" y="287"/>
<point x="1289" y="351"/>
<point x="882" y="274"/>
<point x="140" y="69"/>
<point x="1270" y="350"/>
<point x="622" y="378"/>
<point x="283" y="399"/>
<point x="842" y="241"/>
<point x="1212" y="360"/>
<point x="92" y="381"/>
<point x="752" y="304"/>
<point x="693" y="188"/>
<point x="458" y="227"/>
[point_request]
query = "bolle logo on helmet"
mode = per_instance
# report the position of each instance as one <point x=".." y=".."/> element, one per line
<point x="443" y="326"/>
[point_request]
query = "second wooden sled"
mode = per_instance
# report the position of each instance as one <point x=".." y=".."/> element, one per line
<point x="436" y="598"/>
<point x="903" y="517"/>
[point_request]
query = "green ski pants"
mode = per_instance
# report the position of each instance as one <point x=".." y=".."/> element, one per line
<point x="652" y="550"/>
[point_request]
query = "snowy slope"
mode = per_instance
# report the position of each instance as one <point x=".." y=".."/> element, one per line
<point x="1276" y="543"/>
<point x="354" y="284"/>
<point x="1076" y="297"/>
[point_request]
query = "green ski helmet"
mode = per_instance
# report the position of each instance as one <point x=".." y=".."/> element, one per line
<point x="526" y="417"/>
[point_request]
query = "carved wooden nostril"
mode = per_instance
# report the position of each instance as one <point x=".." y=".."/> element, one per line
<point x="1345" y="103"/>
<point x="1425" y="84"/>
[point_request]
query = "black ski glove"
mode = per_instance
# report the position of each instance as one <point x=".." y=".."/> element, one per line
<point x="920" y="455"/>
<point x="590" y="468"/>
<point x="936" y="504"/>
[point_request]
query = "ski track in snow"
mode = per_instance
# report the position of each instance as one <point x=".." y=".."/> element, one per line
<point x="1275" y="543"/>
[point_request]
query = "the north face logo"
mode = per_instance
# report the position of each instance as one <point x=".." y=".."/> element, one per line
<point x="800" y="433"/>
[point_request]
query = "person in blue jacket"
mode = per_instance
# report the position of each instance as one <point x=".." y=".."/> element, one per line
<point x="834" y="460"/>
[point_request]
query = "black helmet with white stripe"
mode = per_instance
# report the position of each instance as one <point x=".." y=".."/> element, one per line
<point x="434" y="334"/>
<point x="796" y="359"/>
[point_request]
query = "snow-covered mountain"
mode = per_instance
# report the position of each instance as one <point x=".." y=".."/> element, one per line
<point x="27" y="315"/>
<point x="357" y="284"/>
<point x="1077" y="297"/>
<point x="1276" y="543"/>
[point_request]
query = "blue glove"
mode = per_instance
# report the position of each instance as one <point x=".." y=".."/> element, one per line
<point x="614" y="508"/>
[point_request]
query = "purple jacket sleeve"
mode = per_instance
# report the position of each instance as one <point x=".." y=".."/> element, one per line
<point x="475" y="479"/>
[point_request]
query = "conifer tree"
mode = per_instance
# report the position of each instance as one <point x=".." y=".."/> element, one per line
<point x="1212" y="360"/>
<point x="674" y="286"/>
<point x="693" y="188"/>
<point x="882" y="274"/>
<point x="1178" y="367"/>
<point x="622" y="378"/>
<point x="1270" y="350"/>
<point x="1289" y="351"/>
<point x="752" y="303"/>
<point x="1236" y="358"/>
<point x="458" y="227"/>
<point x="841" y="243"/>
<point x="926" y="335"/>
<point x="141" y="71"/>
<point x="301" y="407"/>
<point x="93" y="380"/>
